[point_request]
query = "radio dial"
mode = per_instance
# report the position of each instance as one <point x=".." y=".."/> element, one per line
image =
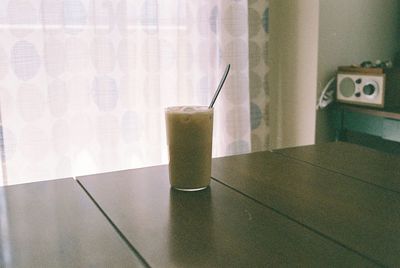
<point x="369" y="89"/>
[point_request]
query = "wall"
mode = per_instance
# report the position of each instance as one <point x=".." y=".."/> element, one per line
<point x="293" y="55"/>
<point x="349" y="33"/>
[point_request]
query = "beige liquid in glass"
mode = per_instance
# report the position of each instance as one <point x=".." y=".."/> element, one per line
<point x="189" y="137"/>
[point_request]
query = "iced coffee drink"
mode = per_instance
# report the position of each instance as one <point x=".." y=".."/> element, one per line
<point x="189" y="137"/>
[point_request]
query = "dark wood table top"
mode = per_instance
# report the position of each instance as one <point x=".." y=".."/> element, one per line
<point x="352" y="211"/>
<point x="323" y="205"/>
<point x="217" y="227"/>
<point x="55" y="224"/>
<point x="362" y="163"/>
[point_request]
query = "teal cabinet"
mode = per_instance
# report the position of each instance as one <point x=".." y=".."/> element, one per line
<point x="391" y="129"/>
<point x="376" y="122"/>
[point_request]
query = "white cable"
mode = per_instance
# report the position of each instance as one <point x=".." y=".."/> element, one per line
<point x="326" y="96"/>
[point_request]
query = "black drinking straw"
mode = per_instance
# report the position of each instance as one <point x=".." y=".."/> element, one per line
<point x="221" y="83"/>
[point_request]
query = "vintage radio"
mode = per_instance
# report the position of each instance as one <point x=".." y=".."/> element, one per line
<point x="361" y="86"/>
<point x="375" y="87"/>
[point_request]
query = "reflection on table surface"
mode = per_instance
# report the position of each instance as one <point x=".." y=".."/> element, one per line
<point x="55" y="224"/>
<point x="305" y="206"/>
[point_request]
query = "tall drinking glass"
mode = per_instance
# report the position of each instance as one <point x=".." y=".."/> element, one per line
<point x="189" y="137"/>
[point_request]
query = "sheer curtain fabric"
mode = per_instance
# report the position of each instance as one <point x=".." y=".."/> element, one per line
<point x="83" y="84"/>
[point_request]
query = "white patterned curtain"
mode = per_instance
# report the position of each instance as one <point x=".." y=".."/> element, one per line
<point x="258" y="13"/>
<point x="83" y="84"/>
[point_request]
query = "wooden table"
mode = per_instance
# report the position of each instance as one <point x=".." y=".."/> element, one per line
<point x="334" y="204"/>
<point x="267" y="208"/>
<point x="327" y="192"/>
<point x="55" y="224"/>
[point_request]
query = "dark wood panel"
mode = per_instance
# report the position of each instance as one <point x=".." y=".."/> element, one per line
<point x="392" y="112"/>
<point x="216" y="227"/>
<point x="55" y="224"/>
<point x="363" y="163"/>
<point x="373" y="142"/>
<point x="361" y="216"/>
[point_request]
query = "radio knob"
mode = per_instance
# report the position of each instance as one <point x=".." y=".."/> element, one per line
<point x="358" y="81"/>
<point x="369" y="89"/>
<point x="358" y="94"/>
